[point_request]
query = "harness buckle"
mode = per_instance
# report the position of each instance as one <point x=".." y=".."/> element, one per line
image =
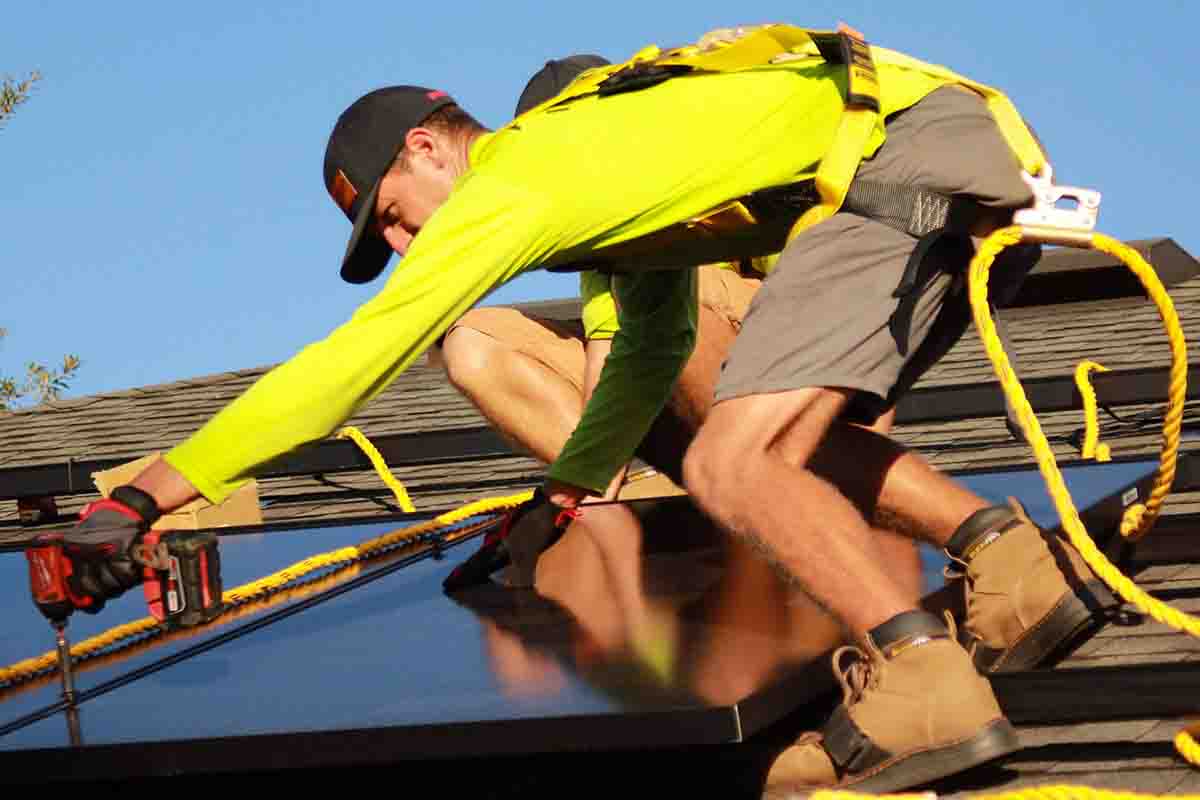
<point x="1047" y="220"/>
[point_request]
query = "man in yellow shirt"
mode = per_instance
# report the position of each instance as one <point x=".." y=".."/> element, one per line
<point x="838" y="331"/>
<point x="531" y="376"/>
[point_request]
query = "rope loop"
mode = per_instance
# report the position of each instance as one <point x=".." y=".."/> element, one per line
<point x="1137" y="521"/>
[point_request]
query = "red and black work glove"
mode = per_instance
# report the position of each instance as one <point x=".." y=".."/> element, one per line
<point x="526" y="532"/>
<point x="100" y="546"/>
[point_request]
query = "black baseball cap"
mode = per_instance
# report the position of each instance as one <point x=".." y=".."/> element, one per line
<point x="554" y="77"/>
<point x="365" y="141"/>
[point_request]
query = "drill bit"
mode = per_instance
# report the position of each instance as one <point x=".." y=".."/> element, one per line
<point x="68" y="681"/>
<point x="64" y="661"/>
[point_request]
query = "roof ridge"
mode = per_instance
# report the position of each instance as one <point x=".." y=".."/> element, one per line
<point x="213" y="379"/>
<point x="75" y="403"/>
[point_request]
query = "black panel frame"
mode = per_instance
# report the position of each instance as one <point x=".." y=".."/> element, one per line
<point x="1142" y="691"/>
<point x="1046" y="395"/>
<point x="933" y="404"/>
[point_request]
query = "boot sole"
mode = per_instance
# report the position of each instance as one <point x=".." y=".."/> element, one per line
<point x="997" y="739"/>
<point x="1070" y="619"/>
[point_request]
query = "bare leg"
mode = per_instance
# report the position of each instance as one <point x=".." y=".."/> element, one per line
<point x="895" y="486"/>
<point x="693" y="393"/>
<point x="536" y="406"/>
<point x="749" y="469"/>
<point x="691" y="398"/>
<point x="901" y="551"/>
<point x="526" y="401"/>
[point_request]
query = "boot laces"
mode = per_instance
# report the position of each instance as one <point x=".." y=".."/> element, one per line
<point x="954" y="572"/>
<point x="855" y="673"/>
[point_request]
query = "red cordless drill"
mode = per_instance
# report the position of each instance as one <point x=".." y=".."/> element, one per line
<point x="112" y="549"/>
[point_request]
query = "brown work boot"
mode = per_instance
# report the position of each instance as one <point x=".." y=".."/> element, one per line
<point x="915" y="709"/>
<point x="1028" y="592"/>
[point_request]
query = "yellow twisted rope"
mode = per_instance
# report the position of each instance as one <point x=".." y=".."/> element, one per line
<point x="1091" y="439"/>
<point x="1048" y="792"/>
<point x="1138" y="519"/>
<point x="148" y="626"/>
<point x="294" y="591"/>
<point x="381" y="467"/>
<point x="323" y="560"/>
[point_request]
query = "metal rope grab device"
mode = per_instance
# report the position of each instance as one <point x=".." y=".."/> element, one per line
<point x="1047" y="223"/>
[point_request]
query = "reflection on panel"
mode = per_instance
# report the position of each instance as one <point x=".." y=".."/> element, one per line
<point x="639" y="609"/>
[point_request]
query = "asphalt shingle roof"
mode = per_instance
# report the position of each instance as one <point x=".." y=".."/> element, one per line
<point x="1048" y="340"/>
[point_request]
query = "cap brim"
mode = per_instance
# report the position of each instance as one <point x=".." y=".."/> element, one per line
<point x="367" y="254"/>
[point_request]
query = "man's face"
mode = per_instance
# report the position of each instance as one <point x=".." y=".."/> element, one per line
<point x="408" y="198"/>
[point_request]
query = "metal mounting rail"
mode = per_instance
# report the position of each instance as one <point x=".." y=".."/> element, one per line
<point x="923" y="405"/>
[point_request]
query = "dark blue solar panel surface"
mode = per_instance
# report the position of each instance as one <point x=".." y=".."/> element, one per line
<point x="397" y="653"/>
<point x="1088" y="483"/>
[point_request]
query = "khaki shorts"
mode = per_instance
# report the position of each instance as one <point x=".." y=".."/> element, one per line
<point x="559" y="346"/>
<point x="822" y="317"/>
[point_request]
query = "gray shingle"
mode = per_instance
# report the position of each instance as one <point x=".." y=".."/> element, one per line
<point x="1048" y="340"/>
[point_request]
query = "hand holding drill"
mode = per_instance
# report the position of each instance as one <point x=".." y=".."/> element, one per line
<point x="112" y="549"/>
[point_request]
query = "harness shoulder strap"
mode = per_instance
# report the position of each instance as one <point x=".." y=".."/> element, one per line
<point x="859" y="118"/>
<point x="1016" y="133"/>
<point x="744" y="49"/>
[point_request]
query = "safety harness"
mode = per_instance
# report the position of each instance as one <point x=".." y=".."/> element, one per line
<point x="761" y="224"/>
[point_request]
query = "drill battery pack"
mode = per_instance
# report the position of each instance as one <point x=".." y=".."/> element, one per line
<point x="182" y="577"/>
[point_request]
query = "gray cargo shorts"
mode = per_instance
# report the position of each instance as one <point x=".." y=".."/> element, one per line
<point x="821" y="318"/>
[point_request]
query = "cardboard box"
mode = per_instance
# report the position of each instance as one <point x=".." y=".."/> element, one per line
<point x="648" y="482"/>
<point x="240" y="508"/>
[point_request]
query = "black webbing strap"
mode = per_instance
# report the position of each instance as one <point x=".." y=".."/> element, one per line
<point x="910" y="209"/>
<point x="851" y="750"/>
<point x="956" y="251"/>
<point x="639" y="76"/>
<point x="938" y="221"/>
<point x="141" y="502"/>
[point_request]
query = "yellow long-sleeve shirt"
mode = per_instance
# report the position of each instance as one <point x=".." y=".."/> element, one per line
<point x="551" y="189"/>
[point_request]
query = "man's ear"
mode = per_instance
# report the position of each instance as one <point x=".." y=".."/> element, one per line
<point x="397" y="238"/>
<point x="421" y="142"/>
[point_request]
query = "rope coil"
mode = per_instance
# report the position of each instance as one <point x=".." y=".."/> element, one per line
<point x="1138" y="519"/>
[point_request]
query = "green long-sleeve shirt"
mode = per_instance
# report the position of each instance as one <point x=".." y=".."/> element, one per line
<point x="550" y="189"/>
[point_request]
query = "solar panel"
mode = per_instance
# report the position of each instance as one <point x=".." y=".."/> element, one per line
<point x="649" y="630"/>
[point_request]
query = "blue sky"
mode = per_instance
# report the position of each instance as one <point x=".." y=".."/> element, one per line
<point x="164" y="216"/>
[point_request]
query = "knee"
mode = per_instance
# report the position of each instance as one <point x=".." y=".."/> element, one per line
<point x="708" y="469"/>
<point x="468" y="356"/>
